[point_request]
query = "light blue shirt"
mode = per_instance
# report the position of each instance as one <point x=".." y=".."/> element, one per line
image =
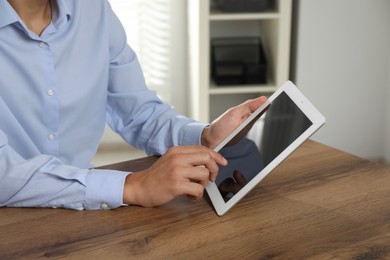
<point x="57" y="91"/>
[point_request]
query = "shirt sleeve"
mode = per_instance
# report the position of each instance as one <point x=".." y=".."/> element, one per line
<point x="44" y="181"/>
<point x="136" y="112"/>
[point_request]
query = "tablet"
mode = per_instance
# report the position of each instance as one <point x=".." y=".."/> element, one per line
<point x="267" y="137"/>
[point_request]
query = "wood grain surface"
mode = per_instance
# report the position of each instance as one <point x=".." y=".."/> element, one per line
<point x="321" y="203"/>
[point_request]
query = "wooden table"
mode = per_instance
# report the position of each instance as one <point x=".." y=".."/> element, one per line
<point x="321" y="203"/>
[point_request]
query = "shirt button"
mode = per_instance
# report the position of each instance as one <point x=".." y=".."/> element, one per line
<point x="51" y="137"/>
<point x="50" y="92"/>
<point x="41" y="44"/>
<point x="104" y="206"/>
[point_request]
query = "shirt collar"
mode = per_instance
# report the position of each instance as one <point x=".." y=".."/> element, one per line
<point x="7" y="14"/>
<point x="64" y="13"/>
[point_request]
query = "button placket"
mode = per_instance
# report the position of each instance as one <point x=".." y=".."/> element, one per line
<point x="51" y="102"/>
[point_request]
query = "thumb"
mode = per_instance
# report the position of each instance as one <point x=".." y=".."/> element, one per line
<point x="249" y="106"/>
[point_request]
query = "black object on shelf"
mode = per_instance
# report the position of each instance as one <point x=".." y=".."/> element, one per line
<point x="238" y="61"/>
<point x="236" y="6"/>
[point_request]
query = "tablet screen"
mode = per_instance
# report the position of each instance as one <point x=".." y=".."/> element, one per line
<point x="267" y="136"/>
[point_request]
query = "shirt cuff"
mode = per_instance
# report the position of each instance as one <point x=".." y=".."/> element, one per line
<point x="192" y="133"/>
<point x="105" y="189"/>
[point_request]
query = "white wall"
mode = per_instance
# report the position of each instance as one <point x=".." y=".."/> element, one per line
<point x="180" y="87"/>
<point x="387" y="119"/>
<point x="342" y="65"/>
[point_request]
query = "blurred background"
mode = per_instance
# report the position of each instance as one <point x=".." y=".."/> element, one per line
<point x="336" y="51"/>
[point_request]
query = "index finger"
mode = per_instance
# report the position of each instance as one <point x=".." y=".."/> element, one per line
<point x="203" y="156"/>
<point x="200" y="160"/>
<point x="207" y="161"/>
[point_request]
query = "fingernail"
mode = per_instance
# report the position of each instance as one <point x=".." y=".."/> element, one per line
<point x="225" y="162"/>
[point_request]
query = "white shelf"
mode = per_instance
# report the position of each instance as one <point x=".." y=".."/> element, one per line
<point x="216" y="15"/>
<point x="241" y="89"/>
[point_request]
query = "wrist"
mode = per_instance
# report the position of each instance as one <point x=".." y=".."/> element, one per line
<point x="205" y="140"/>
<point x="129" y="190"/>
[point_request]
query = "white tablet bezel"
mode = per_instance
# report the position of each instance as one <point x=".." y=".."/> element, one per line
<point x="317" y="119"/>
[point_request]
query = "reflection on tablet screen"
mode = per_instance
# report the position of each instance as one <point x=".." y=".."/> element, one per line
<point x="271" y="133"/>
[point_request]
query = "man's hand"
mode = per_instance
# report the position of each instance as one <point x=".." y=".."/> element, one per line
<point x="174" y="174"/>
<point x="221" y="127"/>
